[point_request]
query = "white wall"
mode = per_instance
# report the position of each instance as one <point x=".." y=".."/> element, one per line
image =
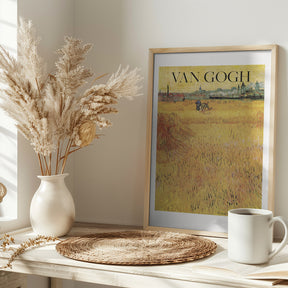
<point x="8" y="131"/>
<point x="52" y="19"/>
<point x="110" y="174"/>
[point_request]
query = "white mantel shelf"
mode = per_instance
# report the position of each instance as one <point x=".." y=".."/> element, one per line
<point x="214" y="271"/>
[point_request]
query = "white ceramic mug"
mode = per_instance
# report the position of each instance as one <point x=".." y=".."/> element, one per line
<point x="250" y="235"/>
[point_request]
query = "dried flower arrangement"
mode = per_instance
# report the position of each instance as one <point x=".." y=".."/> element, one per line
<point x="46" y="108"/>
<point x="6" y="242"/>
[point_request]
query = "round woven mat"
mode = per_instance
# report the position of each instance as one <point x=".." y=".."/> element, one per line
<point x="137" y="248"/>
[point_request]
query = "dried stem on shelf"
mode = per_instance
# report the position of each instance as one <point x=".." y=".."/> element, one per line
<point x="8" y="240"/>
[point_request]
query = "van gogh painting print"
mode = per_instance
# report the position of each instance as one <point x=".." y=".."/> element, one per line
<point x="209" y="138"/>
<point x="212" y="131"/>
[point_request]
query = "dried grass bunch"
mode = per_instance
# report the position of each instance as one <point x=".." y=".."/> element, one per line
<point x="46" y="107"/>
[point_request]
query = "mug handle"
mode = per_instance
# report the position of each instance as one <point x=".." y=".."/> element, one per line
<point x="285" y="238"/>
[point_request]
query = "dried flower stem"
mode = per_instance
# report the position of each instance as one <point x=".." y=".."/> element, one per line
<point x="66" y="155"/>
<point x="24" y="246"/>
<point x="50" y="164"/>
<point x="6" y="241"/>
<point x="59" y="160"/>
<point x="70" y="152"/>
<point x="57" y="157"/>
<point x="99" y="77"/>
<point x="40" y="164"/>
<point x="46" y="166"/>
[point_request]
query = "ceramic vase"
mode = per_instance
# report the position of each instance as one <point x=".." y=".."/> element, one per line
<point x="52" y="210"/>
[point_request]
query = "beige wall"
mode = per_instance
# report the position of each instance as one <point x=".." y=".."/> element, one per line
<point x="8" y="131"/>
<point x="53" y="19"/>
<point x="110" y="174"/>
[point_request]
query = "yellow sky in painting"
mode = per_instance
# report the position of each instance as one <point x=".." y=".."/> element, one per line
<point x="183" y="79"/>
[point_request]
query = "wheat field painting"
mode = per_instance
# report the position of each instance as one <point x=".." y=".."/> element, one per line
<point x="209" y="138"/>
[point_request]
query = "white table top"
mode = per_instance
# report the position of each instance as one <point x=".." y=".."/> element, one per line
<point x="208" y="272"/>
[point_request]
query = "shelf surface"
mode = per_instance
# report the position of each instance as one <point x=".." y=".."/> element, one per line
<point x="208" y="272"/>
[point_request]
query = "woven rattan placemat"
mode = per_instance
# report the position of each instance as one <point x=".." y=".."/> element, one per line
<point x="137" y="247"/>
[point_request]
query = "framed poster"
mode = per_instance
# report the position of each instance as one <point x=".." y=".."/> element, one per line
<point x="210" y="135"/>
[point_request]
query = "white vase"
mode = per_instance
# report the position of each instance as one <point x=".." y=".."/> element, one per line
<point x="52" y="210"/>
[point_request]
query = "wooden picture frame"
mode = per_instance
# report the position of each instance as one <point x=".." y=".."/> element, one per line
<point x="210" y="135"/>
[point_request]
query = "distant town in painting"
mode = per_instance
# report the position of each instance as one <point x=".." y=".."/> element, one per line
<point x="209" y="138"/>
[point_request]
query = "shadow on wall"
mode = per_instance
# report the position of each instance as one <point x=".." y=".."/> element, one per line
<point x="8" y="132"/>
<point x="8" y="169"/>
